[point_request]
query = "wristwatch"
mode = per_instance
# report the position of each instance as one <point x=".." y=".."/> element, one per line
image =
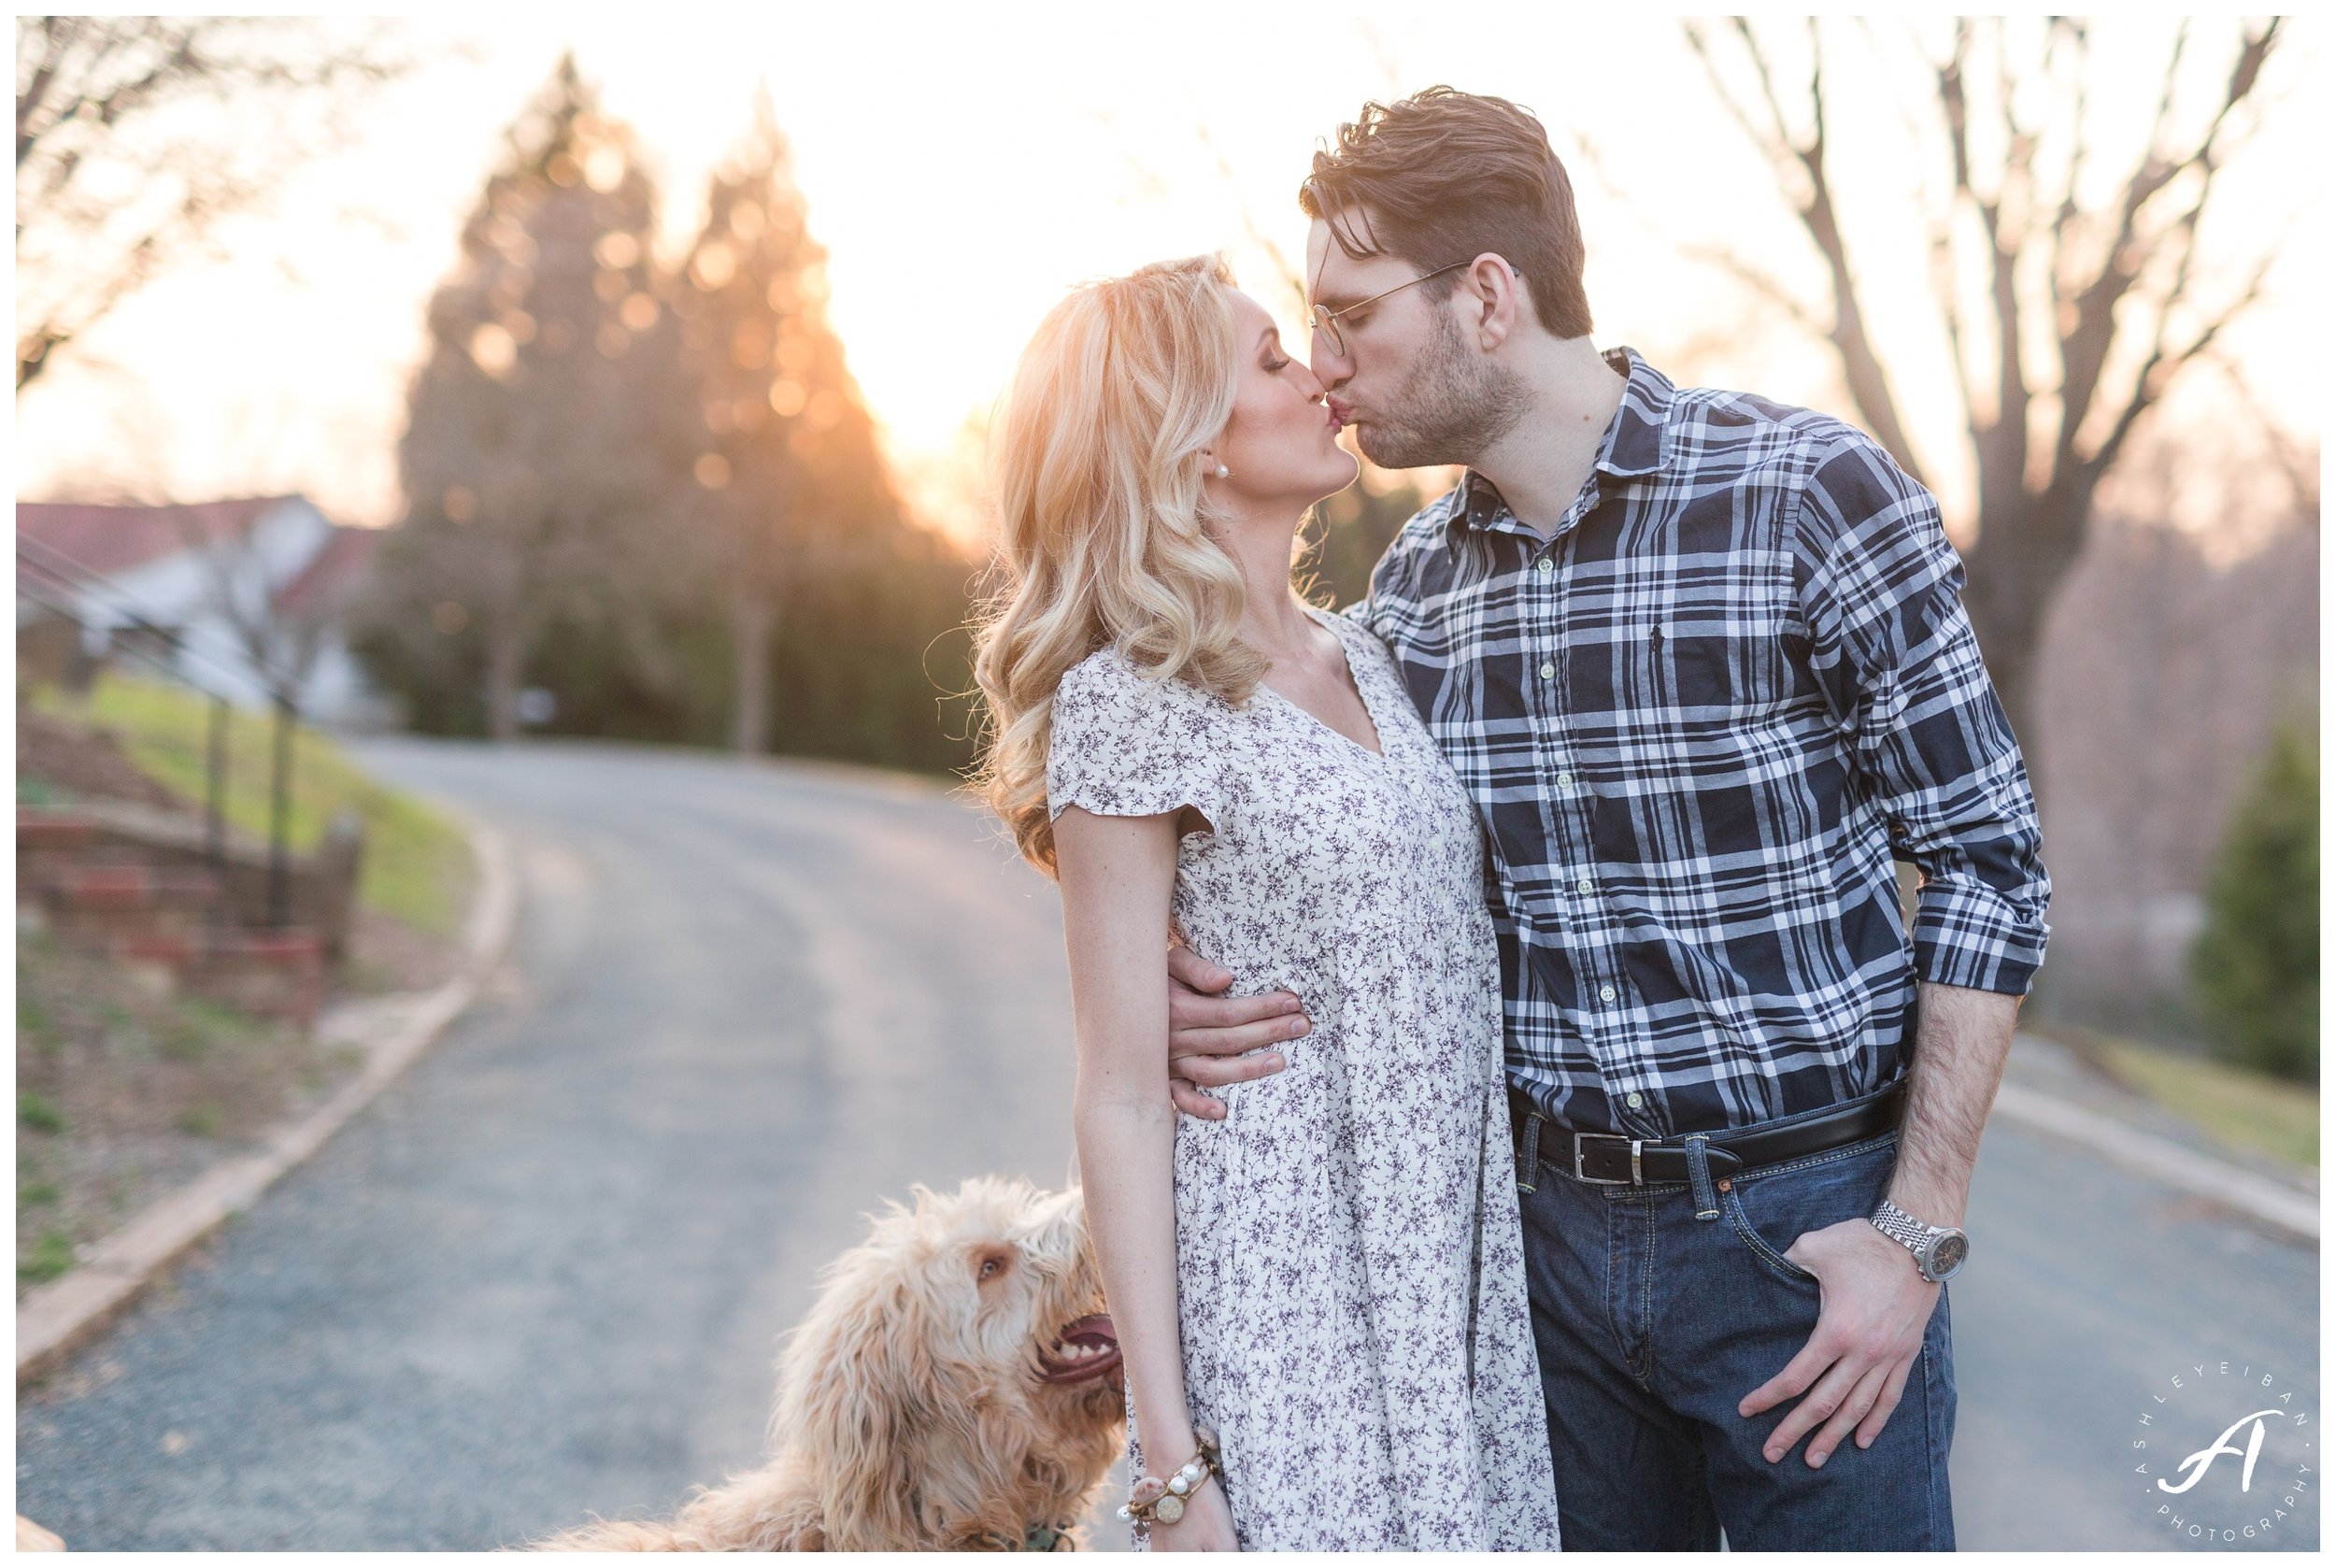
<point x="1939" y="1251"/>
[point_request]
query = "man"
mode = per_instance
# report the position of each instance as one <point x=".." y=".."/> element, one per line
<point x="1702" y="660"/>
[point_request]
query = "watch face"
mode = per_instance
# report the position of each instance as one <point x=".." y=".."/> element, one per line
<point x="1948" y="1254"/>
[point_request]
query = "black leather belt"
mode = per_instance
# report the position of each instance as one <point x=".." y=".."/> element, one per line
<point x="1611" y="1160"/>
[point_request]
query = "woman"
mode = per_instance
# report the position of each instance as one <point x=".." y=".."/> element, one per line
<point x="1329" y="1276"/>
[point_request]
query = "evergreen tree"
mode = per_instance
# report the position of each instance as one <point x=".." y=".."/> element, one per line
<point x="541" y="447"/>
<point x="659" y="494"/>
<point x="2256" y="965"/>
<point x="793" y="489"/>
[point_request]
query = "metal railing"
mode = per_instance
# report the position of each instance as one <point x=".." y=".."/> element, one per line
<point x="61" y="584"/>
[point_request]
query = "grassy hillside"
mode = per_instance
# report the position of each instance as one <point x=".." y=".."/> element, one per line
<point x="416" y="863"/>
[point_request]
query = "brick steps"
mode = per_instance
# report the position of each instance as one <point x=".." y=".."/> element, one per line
<point x="171" y="922"/>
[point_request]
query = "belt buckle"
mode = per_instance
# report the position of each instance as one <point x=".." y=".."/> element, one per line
<point x="1635" y="1178"/>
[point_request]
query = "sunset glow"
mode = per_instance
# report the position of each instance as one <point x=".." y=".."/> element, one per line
<point x="962" y="172"/>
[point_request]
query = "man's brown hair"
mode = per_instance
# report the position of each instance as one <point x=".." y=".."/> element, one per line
<point x="1446" y="176"/>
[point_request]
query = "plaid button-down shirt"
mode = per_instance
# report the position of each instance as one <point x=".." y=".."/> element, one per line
<point x="1699" y="721"/>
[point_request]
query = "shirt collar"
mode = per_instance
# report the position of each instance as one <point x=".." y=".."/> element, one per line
<point x="1633" y="447"/>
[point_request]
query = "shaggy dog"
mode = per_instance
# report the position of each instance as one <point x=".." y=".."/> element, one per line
<point x="956" y="1388"/>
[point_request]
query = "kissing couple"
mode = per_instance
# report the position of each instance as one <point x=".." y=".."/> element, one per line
<point x="1510" y="1094"/>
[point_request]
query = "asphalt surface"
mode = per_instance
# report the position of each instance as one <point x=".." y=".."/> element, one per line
<point x="542" y="1278"/>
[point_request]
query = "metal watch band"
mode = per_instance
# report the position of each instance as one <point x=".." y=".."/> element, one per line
<point x="1913" y="1235"/>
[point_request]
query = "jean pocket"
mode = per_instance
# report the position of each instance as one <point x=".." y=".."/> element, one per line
<point x="1772" y="1208"/>
<point x="1770" y="1258"/>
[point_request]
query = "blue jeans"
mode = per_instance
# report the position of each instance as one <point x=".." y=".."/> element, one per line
<point x="1654" y="1311"/>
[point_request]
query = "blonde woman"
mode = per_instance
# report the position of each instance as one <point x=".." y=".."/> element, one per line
<point x="1329" y="1276"/>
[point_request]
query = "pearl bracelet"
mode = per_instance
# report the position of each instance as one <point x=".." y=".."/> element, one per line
<point x="1154" y="1501"/>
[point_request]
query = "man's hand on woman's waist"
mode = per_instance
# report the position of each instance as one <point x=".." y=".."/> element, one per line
<point x="1210" y="1033"/>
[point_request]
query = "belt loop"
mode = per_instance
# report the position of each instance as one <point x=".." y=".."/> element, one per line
<point x="1528" y="1153"/>
<point x="1700" y="1176"/>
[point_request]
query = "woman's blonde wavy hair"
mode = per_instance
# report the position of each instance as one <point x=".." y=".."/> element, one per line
<point x="1102" y="523"/>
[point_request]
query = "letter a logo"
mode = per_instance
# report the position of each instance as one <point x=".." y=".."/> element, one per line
<point x="2198" y="1464"/>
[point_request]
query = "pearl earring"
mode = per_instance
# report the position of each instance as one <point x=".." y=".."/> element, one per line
<point x="1223" y="472"/>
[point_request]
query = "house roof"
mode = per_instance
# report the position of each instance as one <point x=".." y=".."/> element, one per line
<point x="332" y="572"/>
<point x="111" y="540"/>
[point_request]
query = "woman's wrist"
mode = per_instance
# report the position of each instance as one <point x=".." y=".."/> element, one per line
<point x="1166" y="1442"/>
<point x="1161" y="1496"/>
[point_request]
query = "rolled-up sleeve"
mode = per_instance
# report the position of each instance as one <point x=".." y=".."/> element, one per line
<point x="1893" y="649"/>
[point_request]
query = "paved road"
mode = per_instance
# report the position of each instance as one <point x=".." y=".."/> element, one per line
<point x="541" y="1277"/>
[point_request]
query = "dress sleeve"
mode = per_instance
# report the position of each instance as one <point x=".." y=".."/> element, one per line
<point x="1123" y="746"/>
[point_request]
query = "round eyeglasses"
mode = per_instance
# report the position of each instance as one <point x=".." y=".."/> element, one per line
<point x="1325" y="319"/>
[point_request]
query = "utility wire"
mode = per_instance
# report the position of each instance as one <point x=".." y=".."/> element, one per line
<point x="77" y="613"/>
<point x="70" y="612"/>
<point x="75" y="577"/>
<point x="78" y="574"/>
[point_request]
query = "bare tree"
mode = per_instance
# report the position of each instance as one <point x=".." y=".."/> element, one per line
<point x="135" y="136"/>
<point x="250" y="582"/>
<point x="2090" y="308"/>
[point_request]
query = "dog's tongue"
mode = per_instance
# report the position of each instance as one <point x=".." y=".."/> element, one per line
<point x="1094" y="1334"/>
<point x="1093" y="1329"/>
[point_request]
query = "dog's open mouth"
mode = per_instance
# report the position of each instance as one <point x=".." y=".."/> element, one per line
<point x="1086" y="1349"/>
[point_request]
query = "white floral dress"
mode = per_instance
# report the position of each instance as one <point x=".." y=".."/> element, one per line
<point x="1351" y="1279"/>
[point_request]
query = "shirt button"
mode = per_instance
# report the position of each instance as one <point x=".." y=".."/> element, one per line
<point x="1547" y="566"/>
<point x="1585" y="884"/>
<point x="1548" y="672"/>
<point x="1635" y="1101"/>
<point x="1565" y="781"/>
<point x="1416" y="788"/>
<point x="1605" y="993"/>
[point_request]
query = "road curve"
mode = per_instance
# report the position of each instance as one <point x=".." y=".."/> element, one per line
<point x="542" y="1278"/>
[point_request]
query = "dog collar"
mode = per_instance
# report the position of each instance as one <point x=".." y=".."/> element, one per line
<point x="1048" y="1538"/>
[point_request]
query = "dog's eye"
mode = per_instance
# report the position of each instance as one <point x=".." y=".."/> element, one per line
<point x="991" y="1265"/>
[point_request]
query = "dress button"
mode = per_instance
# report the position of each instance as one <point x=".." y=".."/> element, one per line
<point x="1605" y="993"/>
<point x="1548" y="672"/>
